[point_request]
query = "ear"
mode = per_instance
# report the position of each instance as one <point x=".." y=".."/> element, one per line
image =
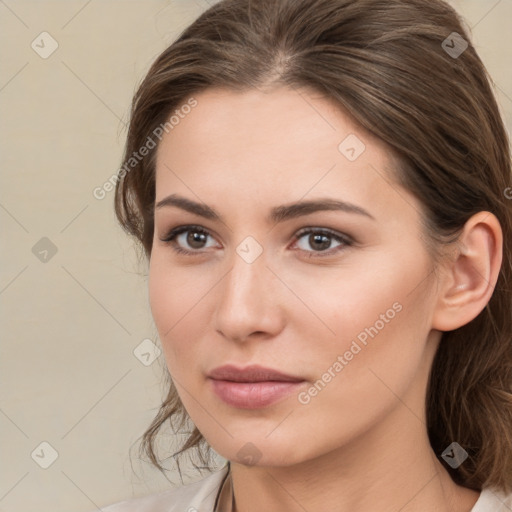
<point x="469" y="279"/>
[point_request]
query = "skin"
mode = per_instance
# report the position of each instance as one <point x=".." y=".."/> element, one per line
<point x="361" y="443"/>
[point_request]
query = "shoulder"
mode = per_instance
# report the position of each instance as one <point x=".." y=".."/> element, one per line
<point x="493" y="500"/>
<point x="197" y="497"/>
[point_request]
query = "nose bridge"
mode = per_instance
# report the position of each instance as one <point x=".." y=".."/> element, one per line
<point x="243" y="283"/>
<point x="247" y="303"/>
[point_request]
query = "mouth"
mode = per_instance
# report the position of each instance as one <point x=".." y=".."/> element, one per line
<point x="253" y="373"/>
<point x="252" y="387"/>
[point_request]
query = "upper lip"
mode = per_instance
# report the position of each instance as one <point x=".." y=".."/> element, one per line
<point x="253" y="373"/>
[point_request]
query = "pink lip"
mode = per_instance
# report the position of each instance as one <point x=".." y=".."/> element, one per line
<point x="252" y="387"/>
<point x="252" y="373"/>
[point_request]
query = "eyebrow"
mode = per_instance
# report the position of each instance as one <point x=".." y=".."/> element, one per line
<point x="277" y="214"/>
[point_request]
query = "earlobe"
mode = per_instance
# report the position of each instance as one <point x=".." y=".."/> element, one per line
<point x="470" y="277"/>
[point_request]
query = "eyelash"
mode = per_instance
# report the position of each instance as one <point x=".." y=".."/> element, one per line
<point x="344" y="239"/>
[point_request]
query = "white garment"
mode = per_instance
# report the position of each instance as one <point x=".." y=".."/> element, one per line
<point x="200" y="497"/>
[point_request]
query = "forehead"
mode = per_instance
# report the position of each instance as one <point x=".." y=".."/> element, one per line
<point x="286" y="125"/>
<point x="253" y="116"/>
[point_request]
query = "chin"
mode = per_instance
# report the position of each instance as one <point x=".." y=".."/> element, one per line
<point x="261" y="453"/>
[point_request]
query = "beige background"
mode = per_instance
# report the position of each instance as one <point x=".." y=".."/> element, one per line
<point x="70" y="325"/>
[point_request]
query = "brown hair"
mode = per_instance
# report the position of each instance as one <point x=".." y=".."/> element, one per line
<point x="385" y="63"/>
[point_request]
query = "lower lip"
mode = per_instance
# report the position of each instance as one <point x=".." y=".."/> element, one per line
<point x="253" y="395"/>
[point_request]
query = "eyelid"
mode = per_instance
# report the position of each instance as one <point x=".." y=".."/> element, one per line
<point x="328" y="231"/>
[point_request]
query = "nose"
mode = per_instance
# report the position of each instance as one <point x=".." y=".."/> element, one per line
<point x="250" y="301"/>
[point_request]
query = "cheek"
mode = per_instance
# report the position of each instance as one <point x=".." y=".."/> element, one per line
<point x="377" y="313"/>
<point x="172" y="292"/>
<point x="382" y="324"/>
<point x="349" y="299"/>
<point x="162" y="295"/>
<point x="177" y="305"/>
<point x="350" y="396"/>
<point x="166" y="301"/>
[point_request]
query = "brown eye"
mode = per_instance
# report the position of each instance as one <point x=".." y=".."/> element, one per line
<point x="320" y="240"/>
<point x="196" y="239"/>
<point x="187" y="239"/>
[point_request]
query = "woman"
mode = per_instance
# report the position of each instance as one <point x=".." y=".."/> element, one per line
<point x="322" y="190"/>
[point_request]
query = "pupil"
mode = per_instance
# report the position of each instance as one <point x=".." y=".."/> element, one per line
<point x="318" y="239"/>
<point x="195" y="237"/>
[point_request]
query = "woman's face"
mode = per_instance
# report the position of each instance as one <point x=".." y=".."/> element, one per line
<point x="346" y="309"/>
